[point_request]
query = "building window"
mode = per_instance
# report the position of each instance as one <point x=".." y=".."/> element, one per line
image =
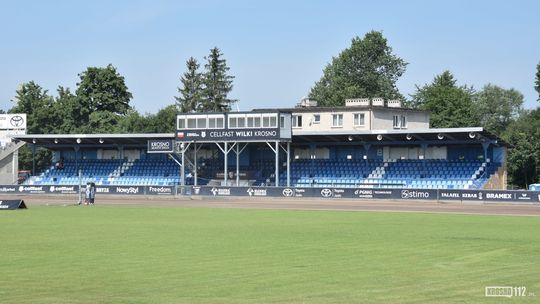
<point x="400" y="122"/>
<point x="232" y="122"/>
<point x="181" y="123"/>
<point x="359" y="119"/>
<point x="282" y="122"/>
<point x="191" y="123"/>
<point x="201" y="123"/>
<point x="273" y="121"/>
<point x="337" y="120"/>
<point x="219" y="123"/>
<point x="297" y="121"/>
<point x="316" y="118"/>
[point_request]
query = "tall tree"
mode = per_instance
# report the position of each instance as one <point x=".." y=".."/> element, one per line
<point x="103" y="89"/>
<point x="41" y="118"/>
<point x="33" y="100"/>
<point x="191" y="93"/>
<point x="218" y="84"/>
<point x="497" y="107"/>
<point x="368" y="68"/>
<point x="68" y="107"/>
<point x="450" y="105"/>
<point x="524" y="154"/>
<point x="537" y="87"/>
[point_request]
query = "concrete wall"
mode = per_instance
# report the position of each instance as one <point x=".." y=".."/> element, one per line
<point x="9" y="168"/>
<point x="384" y="119"/>
<point x="374" y="119"/>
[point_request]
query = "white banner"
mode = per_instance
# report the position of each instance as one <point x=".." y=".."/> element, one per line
<point x="12" y="121"/>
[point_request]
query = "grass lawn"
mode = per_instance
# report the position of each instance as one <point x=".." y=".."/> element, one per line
<point x="141" y="254"/>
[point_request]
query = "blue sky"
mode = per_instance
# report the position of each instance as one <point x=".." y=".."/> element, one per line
<point x="276" y="49"/>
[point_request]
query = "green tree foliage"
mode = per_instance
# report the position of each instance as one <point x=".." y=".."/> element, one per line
<point x="67" y="107"/>
<point x="191" y="92"/>
<point x="524" y="155"/>
<point x="217" y="83"/>
<point x="100" y="90"/>
<point x="496" y="107"/>
<point x="450" y="105"/>
<point x="368" y="68"/>
<point x="33" y="100"/>
<point x="537" y="87"/>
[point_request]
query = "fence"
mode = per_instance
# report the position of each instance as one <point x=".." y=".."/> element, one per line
<point x="330" y="192"/>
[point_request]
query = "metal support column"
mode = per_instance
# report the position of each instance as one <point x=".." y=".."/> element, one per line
<point x="225" y="159"/>
<point x="288" y="164"/>
<point x="277" y="165"/>
<point x="195" y="164"/>
<point x="33" y="159"/>
<point x="485" y="146"/>
<point x="237" y="165"/>
<point x="183" y="172"/>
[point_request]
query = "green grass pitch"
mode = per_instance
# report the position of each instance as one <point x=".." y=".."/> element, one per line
<point x="142" y="254"/>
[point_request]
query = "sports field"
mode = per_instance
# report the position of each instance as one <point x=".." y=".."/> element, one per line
<point x="169" y="254"/>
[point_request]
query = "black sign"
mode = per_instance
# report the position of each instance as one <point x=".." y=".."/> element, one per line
<point x="415" y="194"/>
<point x="63" y="189"/>
<point x="33" y="189"/>
<point x="12" y="204"/>
<point x="228" y="134"/>
<point x="159" y="190"/>
<point x="160" y="146"/>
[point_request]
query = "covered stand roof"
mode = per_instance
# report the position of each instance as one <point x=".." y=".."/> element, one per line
<point x="441" y="136"/>
<point x="56" y="140"/>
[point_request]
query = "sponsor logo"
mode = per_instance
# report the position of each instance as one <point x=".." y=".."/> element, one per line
<point x="16" y="121"/>
<point x="338" y="192"/>
<point x="406" y="194"/>
<point x="524" y="197"/>
<point x="221" y="191"/>
<point x="62" y="189"/>
<point x="363" y="193"/>
<point x="288" y="192"/>
<point x="449" y="194"/>
<point x="102" y="190"/>
<point x="326" y="192"/>
<point x="196" y="190"/>
<point x="471" y="195"/>
<point x="160" y="145"/>
<point x="160" y="190"/>
<point x="203" y="134"/>
<point x="501" y="196"/>
<point x="31" y="189"/>
<point x="180" y="135"/>
<point x="8" y="189"/>
<point x="127" y="190"/>
<point x="256" y="192"/>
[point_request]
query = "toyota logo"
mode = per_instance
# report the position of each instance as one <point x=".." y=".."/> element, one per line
<point x="288" y="192"/>
<point x="16" y="121"/>
<point x="326" y="192"/>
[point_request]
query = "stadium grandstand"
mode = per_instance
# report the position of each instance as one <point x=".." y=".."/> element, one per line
<point x="368" y="143"/>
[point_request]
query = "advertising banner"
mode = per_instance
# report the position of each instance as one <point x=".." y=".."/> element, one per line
<point x="12" y="121"/>
<point x="160" y="146"/>
<point x="228" y="134"/>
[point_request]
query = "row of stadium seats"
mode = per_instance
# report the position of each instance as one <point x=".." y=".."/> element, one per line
<point x="111" y="172"/>
<point x="430" y="174"/>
